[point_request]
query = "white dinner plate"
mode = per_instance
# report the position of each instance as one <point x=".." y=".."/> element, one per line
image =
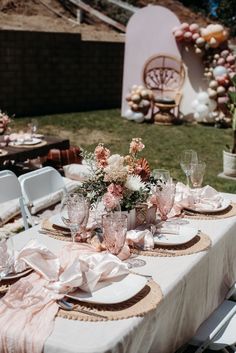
<point x="185" y="234"/>
<point x="112" y="291"/>
<point x="33" y="141"/>
<point x="17" y="274"/>
<point x="225" y="204"/>
<point x="57" y="221"/>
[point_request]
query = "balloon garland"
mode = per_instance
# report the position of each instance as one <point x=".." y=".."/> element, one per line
<point x="219" y="61"/>
<point x="139" y="101"/>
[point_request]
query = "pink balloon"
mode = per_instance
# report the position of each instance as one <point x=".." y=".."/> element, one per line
<point x="194" y="27"/>
<point x="184" y="26"/>
<point x="221" y="61"/>
<point x="188" y="36"/>
<point x="224" y="53"/>
<point x="222" y="100"/>
<point x="230" y="59"/>
<point x="179" y="35"/>
<point x="196" y="36"/>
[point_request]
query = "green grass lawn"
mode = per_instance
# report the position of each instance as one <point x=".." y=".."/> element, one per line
<point x="163" y="144"/>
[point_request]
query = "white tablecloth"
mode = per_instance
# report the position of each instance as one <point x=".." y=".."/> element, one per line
<point x="193" y="286"/>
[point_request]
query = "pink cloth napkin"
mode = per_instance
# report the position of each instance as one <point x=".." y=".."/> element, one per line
<point x="28" y="309"/>
<point x="141" y="238"/>
<point x="206" y="198"/>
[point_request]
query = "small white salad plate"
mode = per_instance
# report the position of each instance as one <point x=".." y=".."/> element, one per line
<point x="185" y="234"/>
<point x="112" y="291"/>
<point x="224" y="205"/>
<point x="57" y="221"/>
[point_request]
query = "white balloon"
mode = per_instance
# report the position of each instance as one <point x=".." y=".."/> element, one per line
<point x="197" y="117"/>
<point x="134" y="87"/>
<point x="138" y="117"/>
<point x="129" y="114"/>
<point x="195" y="103"/>
<point x="219" y="71"/>
<point x="203" y="97"/>
<point x="202" y="110"/>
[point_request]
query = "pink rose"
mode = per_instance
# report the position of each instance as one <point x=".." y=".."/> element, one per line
<point x="115" y="190"/>
<point x="110" y="201"/>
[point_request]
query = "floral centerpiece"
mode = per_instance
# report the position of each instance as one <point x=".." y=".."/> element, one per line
<point x="117" y="179"/>
<point x="4" y="122"/>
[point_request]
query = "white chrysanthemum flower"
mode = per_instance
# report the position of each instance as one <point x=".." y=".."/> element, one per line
<point x="134" y="183"/>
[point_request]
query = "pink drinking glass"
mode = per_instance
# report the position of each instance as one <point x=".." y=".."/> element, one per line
<point x="114" y="231"/>
<point x="165" y="199"/>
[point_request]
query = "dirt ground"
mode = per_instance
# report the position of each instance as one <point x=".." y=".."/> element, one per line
<point x="34" y="15"/>
<point x="51" y="15"/>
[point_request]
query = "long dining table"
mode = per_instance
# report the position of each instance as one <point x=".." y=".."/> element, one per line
<point x="193" y="286"/>
<point x="22" y="153"/>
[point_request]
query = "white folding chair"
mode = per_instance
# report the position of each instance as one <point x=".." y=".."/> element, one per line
<point x="11" y="190"/>
<point x="42" y="188"/>
<point x="219" y="331"/>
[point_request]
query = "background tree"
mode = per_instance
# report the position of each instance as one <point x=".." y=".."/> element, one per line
<point x="203" y="6"/>
<point x="226" y="13"/>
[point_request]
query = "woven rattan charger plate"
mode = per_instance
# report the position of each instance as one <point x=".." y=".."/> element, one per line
<point x="228" y="212"/>
<point x="199" y="243"/>
<point x="142" y="303"/>
<point x="47" y="227"/>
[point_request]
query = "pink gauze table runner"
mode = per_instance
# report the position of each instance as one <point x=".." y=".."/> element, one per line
<point x="28" y="309"/>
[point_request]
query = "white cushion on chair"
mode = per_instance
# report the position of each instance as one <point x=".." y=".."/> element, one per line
<point x="71" y="185"/>
<point x="79" y="172"/>
<point x="46" y="201"/>
<point x="9" y="210"/>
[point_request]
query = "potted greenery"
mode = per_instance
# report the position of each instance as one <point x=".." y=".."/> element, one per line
<point x="229" y="158"/>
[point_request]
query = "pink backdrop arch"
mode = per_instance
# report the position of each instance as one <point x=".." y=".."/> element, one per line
<point x="149" y="32"/>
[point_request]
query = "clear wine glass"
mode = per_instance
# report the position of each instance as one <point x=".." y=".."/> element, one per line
<point x="33" y="127"/>
<point x="161" y="174"/>
<point x="197" y="174"/>
<point x="73" y="212"/>
<point x="188" y="157"/>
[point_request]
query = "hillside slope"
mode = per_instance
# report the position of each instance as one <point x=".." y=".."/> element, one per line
<point x="51" y="15"/>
